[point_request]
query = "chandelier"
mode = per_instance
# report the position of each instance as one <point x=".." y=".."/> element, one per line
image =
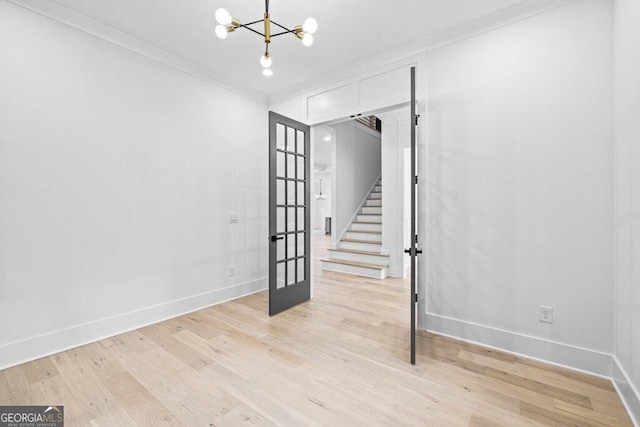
<point x="228" y="24"/>
<point x="321" y="196"/>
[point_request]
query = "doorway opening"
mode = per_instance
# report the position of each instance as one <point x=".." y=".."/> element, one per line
<point x="370" y="204"/>
<point x="367" y="231"/>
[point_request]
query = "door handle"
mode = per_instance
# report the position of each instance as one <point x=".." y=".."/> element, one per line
<point x="408" y="251"/>
<point x="274" y="238"/>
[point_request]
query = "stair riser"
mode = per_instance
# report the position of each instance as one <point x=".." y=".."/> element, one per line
<point x="369" y="218"/>
<point x="376" y="195"/>
<point x="378" y="188"/>
<point x="366" y="227"/>
<point x="351" y="269"/>
<point x="372" y="210"/>
<point x="354" y="246"/>
<point x="365" y="236"/>
<point x="371" y="202"/>
<point x="364" y="258"/>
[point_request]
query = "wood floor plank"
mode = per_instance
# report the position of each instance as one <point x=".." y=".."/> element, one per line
<point x="15" y="386"/>
<point x="181" y="388"/>
<point x="88" y="392"/>
<point x="139" y="403"/>
<point x="172" y="345"/>
<point x="119" y="417"/>
<point x="243" y="415"/>
<point x="261" y="400"/>
<point x="54" y="391"/>
<point x="102" y="364"/>
<point x="39" y="370"/>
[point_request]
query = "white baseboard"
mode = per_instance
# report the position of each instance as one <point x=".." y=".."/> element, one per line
<point x="568" y="356"/>
<point x="28" y="349"/>
<point x="627" y="391"/>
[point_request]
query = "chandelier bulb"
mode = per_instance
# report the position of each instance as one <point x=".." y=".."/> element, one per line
<point x="307" y="39"/>
<point x="223" y="17"/>
<point x="310" y="26"/>
<point x="265" y="60"/>
<point x="221" y="31"/>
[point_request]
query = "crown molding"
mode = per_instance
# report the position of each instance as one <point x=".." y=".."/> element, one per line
<point x="90" y="26"/>
<point x="403" y="54"/>
<point x="410" y="52"/>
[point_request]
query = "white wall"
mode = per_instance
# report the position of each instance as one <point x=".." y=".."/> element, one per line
<point x="356" y="167"/>
<point x="627" y="206"/>
<point x="392" y="206"/>
<point x="520" y="168"/>
<point x="294" y="108"/>
<point x="395" y="177"/>
<point x="112" y="169"/>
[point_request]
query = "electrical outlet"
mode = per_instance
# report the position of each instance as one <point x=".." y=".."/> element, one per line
<point x="545" y="314"/>
<point x="233" y="218"/>
<point x="232" y="270"/>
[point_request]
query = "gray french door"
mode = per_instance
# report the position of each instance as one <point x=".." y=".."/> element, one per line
<point x="413" y="250"/>
<point x="289" y="216"/>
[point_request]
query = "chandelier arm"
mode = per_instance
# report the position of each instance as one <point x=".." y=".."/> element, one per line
<point x="284" y="28"/>
<point x="251" y="23"/>
<point x="284" y="32"/>
<point x="251" y="29"/>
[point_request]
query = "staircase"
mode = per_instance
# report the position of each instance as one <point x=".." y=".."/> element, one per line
<point x="358" y="252"/>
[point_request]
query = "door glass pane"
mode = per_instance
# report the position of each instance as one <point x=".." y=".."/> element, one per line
<point x="292" y="193"/>
<point x="280" y="136"/>
<point x="280" y="220"/>
<point x="280" y="164"/>
<point x="291" y="245"/>
<point x="291" y="139"/>
<point x="300" y="167"/>
<point x="300" y="245"/>
<point x="300" y="219"/>
<point x="280" y="192"/>
<point x="291" y="166"/>
<point x="291" y="273"/>
<point x="291" y="219"/>
<point x="300" y="142"/>
<point x="300" y="269"/>
<point x="301" y="199"/>
<point x="280" y="280"/>
<point x="280" y="254"/>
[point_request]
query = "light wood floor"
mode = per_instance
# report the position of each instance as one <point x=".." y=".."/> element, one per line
<point x="339" y="359"/>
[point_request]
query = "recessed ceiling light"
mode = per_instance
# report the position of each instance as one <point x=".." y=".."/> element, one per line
<point x="327" y="138"/>
<point x="267" y="72"/>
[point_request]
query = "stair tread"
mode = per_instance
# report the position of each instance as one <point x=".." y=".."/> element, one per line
<point x="353" y="251"/>
<point x="355" y="264"/>
<point x="365" y="222"/>
<point x="364" y="231"/>
<point x="368" y="242"/>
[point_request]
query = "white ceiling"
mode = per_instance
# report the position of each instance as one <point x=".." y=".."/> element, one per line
<point x="349" y="31"/>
